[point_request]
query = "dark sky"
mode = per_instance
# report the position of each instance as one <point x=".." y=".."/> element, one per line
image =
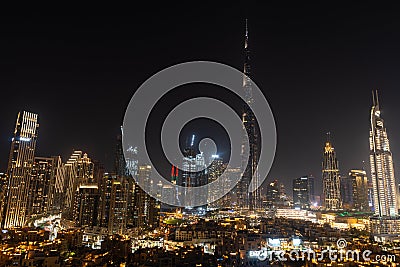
<point x="316" y="65"/>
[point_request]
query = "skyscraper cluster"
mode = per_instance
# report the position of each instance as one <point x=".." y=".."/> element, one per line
<point x="341" y="192"/>
<point x="354" y="191"/>
<point x="79" y="189"/>
<point x="87" y="195"/>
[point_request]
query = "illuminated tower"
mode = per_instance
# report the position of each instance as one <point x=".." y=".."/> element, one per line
<point x="118" y="212"/>
<point x="146" y="207"/>
<point x="301" y="192"/>
<point x="79" y="171"/>
<point x="330" y="178"/>
<point x="43" y="195"/>
<point x="272" y="194"/>
<point x="21" y="160"/>
<point x="247" y="199"/>
<point x="215" y="171"/>
<point x="385" y="220"/>
<point x="70" y="182"/>
<point x="382" y="172"/>
<point x="86" y="205"/>
<point x="359" y="183"/>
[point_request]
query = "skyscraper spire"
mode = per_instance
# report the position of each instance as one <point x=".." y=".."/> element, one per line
<point x="246" y="68"/>
<point x="376" y="98"/>
<point x="373" y="98"/>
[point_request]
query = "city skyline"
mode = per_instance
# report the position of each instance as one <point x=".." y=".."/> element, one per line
<point x="282" y="64"/>
<point x="146" y="140"/>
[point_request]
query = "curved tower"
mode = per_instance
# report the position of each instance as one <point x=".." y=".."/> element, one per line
<point x="246" y="199"/>
<point x="382" y="171"/>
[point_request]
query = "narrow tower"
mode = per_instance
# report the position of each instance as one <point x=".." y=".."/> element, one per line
<point x="330" y="178"/>
<point x="382" y="171"/>
<point x="250" y="200"/>
<point x="21" y="161"/>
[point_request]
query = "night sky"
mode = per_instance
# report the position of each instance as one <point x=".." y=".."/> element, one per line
<point x="316" y="65"/>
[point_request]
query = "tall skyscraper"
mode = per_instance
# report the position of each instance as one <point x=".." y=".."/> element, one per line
<point x="311" y="191"/>
<point x="3" y="194"/>
<point x="273" y="194"/>
<point x="147" y="208"/>
<point x="346" y="192"/>
<point x="126" y="169"/>
<point x="301" y="192"/>
<point x="215" y="170"/>
<point x="330" y="178"/>
<point x="59" y="183"/>
<point x="42" y="192"/>
<point x="251" y="200"/>
<point x="114" y="210"/>
<point x="382" y="172"/>
<point x="21" y="160"/>
<point x="79" y="171"/>
<point x="170" y="192"/>
<point x="359" y="182"/>
<point x="70" y="183"/>
<point x="194" y="172"/>
<point x="86" y="205"/>
<point x="105" y="198"/>
<point x="118" y="206"/>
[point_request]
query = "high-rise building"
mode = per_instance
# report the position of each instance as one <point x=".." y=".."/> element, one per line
<point x="246" y="199"/>
<point x="359" y="183"/>
<point x="120" y="164"/>
<point x="21" y="160"/>
<point x="346" y="192"/>
<point x="311" y="189"/>
<point x="273" y="194"/>
<point x="79" y="171"/>
<point x="3" y="194"/>
<point x="86" y="205"/>
<point x="382" y="171"/>
<point x="105" y="198"/>
<point x="370" y="194"/>
<point x="70" y="183"/>
<point x="382" y="175"/>
<point x="215" y="171"/>
<point x="118" y="206"/>
<point x="230" y="200"/>
<point x="59" y="184"/>
<point x="194" y="172"/>
<point x="127" y="169"/>
<point x="146" y="214"/>
<point x="42" y="193"/>
<point x="301" y="192"/>
<point x="330" y="178"/>
<point x="189" y="165"/>
<point x="170" y="192"/>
